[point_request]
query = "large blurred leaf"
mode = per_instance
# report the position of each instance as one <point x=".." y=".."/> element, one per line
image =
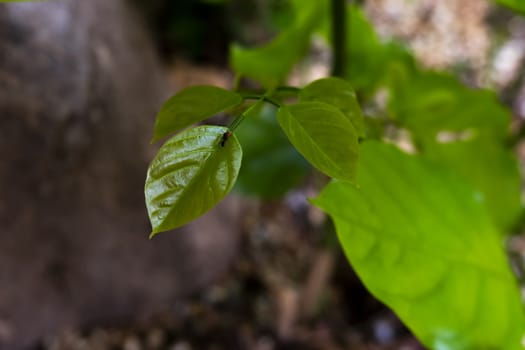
<point x="491" y="168"/>
<point x="192" y="105"/>
<point x="338" y="93"/>
<point x="271" y="63"/>
<point x="465" y="130"/>
<point x="324" y="136"/>
<point x="270" y="166"/>
<point x="429" y="102"/>
<point x="191" y="173"/>
<point x="423" y="243"/>
<point x="516" y="5"/>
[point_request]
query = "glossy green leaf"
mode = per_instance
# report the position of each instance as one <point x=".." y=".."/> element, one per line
<point x="338" y="93"/>
<point x="191" y="173"/>
<point x="271" y="166"/>
<point x="324" y="136"/>
<point x="422" y="242"/>
<point x="271" y="63"/>
<point x="192" y="105"/>
<point x="516" y="5"/>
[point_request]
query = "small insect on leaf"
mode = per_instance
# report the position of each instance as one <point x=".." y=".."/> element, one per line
<point x="225" y="137"/>
<point x="190" y="175"/>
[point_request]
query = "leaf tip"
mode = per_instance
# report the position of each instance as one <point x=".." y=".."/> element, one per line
<point x="351" y="180"/>
<point x="156" y="137"/>
<point x="315" y="201"/>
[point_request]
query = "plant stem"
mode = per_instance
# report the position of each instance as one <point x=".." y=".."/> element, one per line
<point x="263" y="98"/>
<point x="339" y="28"/>
<point x="260" y="99"/>
<point x="287" y="89"/>
<point x="236" y="82"/>
<point x="237" y="121"/>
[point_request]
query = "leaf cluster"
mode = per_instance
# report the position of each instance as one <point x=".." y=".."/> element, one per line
<point x="424" y="230"/>
<point x="196" y="168"/>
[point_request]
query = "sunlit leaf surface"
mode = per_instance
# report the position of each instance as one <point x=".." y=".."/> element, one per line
<point x="422" y="241"/>
<point x="466" y="130"/>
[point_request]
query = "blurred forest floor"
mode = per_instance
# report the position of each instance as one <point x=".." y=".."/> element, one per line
<point x="291" y="287"/>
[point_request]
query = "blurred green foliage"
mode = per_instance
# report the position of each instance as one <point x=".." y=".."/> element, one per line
<point x="271" y="63"/>
<point x="516" y="5"/>
<point x="464" y="129"/>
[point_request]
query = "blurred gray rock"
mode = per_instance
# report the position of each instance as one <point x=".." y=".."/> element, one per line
<point x="79" y="87"/>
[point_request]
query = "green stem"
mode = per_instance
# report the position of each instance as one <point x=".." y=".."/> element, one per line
<point x="339" y="27"/>
<point x="292" y="89"/>
<point x="236" y="82"/>
<point x="264" y="98"/>
<point x="237" y="121"/>
<point x="260" y="99"/>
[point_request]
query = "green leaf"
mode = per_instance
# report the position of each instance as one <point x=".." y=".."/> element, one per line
<point x="191" y="173"/>
<point x="338" y="93"/>
<point x="516" y="5"/>
<point x="423" y="243"/>
<point x="192" y="105"/>
<point x="271" y="63"/>
<point x="465" y="130"/>
<point x="488" y="166"/>
<point x="429" y="102"/>
<point x="271" y="166"/>
<point x="324" y="136"/>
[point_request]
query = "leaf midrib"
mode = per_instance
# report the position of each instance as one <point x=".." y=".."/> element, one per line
<point x="206" y="163"/>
